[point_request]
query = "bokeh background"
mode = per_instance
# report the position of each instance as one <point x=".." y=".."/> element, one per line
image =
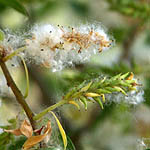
<point x="118" y="126"/>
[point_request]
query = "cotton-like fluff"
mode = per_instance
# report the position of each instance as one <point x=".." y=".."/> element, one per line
<point x="41" y="48"/>
<point x="133" y="97"/>
<point x="57" y="46"/>
<point x="5" y="91"/>
<point x="9" y="44"/>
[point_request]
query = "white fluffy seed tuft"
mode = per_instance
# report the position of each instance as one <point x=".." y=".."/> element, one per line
<point x="132" y="97"/>
<point x="5" y="91"/>
<point x="57" y="47"/>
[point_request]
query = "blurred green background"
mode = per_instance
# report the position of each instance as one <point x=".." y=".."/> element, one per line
<point x="118" y="126"/>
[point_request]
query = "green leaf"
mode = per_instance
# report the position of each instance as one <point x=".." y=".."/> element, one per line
<point x="84" y="101"/>
<point x="62" y="132"/>
<point x="102" y="91"/>
<point x="70" y="145"/>
<point x="85" y="88"/>
<point x="120" y="90"/>
<point x="124" y="76"/>
<point x="74" y="103"/>
<point x="2" y="35"/>
<point x="98" y="100"/>
<point x="15" y="5"/>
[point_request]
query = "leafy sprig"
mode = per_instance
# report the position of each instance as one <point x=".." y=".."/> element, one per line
<point x="96" y="89"/>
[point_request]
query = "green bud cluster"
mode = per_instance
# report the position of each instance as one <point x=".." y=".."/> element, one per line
<point x="96" y="89"/>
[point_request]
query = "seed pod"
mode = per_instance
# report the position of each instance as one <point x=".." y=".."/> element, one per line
<point x="77" y="94"/>
<point x="98" y="100"/>
<point x="129" y="81"/>
<point x="123" y="83"/>
<point x="120" y="90"/>
<point x="81" y="85"/>
<point x="114" y="82"/>
<point x="91" y="95"/>
<point x="102" y="81"/>
<point x="116" y="77"/>
<point x="102" y="91"/>
<point x="84" y="101"/>
<point x="111" y="89"/>
<point x="124" y="76"/>
<point x="74" y="103"/>
<point x="103" y="97"/>
<point x="84" y="89"/>
<point x="70" y="93"/>
<point x="96" y="85"/>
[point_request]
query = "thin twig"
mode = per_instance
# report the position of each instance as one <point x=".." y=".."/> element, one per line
<point x="15" y="53"/>
<point x="45" y="111"/>
<point x="19" y="97"/>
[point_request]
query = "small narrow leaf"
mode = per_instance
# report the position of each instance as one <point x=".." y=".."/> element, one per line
<point x="103" y="97"/>
<point x="111" y="89"/>
<point x="124" y="75"/>
<point x="129" y="81"/>
<point x="91" y="94"/>
<point x="96" y="85"/>
<point x="70" y="145"/>
<point x="98" y="100"/>
<point x="102" y="81"/>
<point x="75" y="104"/>
<point x="120" y="90"/>
<point x="62" y="132"/>
<point x="84" y="101"/>
<point x="84" y="89"/>
<point x="102" y="91"/>
<point x="123" y="83"/>
<point x="70" y="93"/>
<point x="116" y="77"/>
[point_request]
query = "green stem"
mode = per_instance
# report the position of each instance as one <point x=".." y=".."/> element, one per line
<point x="45" y="111"/>
<point x="15" y="53"/>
